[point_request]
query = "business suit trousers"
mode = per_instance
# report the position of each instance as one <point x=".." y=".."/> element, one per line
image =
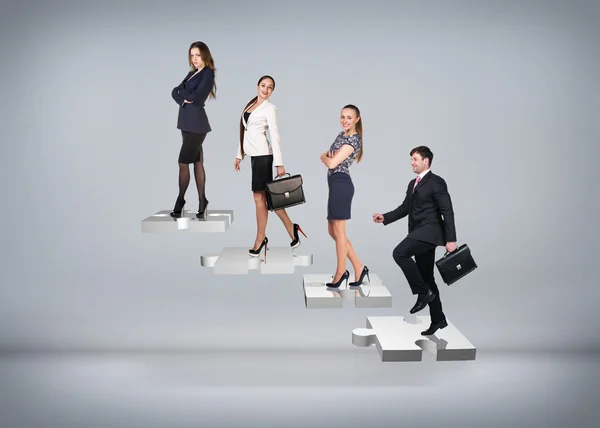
<point x="419" y="272"/>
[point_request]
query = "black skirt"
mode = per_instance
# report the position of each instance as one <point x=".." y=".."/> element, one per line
<point x="341" y="191"/>
<point x="262" y="171"/>
<point x="191" y="147"/>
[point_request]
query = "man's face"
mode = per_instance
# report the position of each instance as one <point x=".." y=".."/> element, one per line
<point x="418" y="164"/>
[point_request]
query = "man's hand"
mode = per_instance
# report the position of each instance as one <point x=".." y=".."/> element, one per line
<point x="236" y="164"/>
<point x="378" y="218"/>
<point x="187" y="102"/>
<point x="450" y="246"/>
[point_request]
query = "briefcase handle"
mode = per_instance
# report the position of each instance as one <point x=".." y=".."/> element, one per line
<point x="277" y="177"/>
<point x="448" y="252"/>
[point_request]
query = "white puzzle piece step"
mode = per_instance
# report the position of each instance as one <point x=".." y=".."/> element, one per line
<point x="214" y="221"/>
<point x="371" y="294"/>
<point x="397" y="339"/>
<point x="237" y="261"/>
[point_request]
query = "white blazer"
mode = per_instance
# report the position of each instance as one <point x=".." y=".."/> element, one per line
<point x="255" y="136"/>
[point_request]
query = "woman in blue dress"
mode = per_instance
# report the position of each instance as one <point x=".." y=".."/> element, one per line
<point x="347" y="147"/>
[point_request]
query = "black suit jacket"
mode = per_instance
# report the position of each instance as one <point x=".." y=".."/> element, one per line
<point x="192" y="117"/>
<point x="425" y="209"/>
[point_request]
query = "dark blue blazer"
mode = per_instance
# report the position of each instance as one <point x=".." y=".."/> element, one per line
<point x="192" y="117"/>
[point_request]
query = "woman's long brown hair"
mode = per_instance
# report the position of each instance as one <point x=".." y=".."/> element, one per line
<point x="208" y="61"/>
<point x="359" y="129"/>
<point x="252" y="101"/>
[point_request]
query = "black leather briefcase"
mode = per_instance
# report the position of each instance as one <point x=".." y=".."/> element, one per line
<point x="453" y="266"/>
<point x="285" y="192"/>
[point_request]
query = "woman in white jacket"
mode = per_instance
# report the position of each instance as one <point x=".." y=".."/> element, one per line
<point x="258" y="116"/>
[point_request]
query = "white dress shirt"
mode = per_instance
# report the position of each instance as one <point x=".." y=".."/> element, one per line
<point x="420" y="175"/>
<point x="255" y="136"/>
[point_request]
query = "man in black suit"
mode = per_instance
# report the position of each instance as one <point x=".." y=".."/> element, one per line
<point x="430" y="224"/>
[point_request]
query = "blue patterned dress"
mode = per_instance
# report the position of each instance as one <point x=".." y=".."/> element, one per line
<point x="341" y="188"/>
<point x="352" y="140"/>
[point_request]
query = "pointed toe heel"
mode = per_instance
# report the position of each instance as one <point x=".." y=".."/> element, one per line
<point x="296" y="242"/>
<point x="365" y="272"/>
<point x="337" y="284"/>
<point x="255" y="253"/>
<point x="178" y="209"/>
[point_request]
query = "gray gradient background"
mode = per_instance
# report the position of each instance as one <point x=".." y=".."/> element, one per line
<point x="504" y="92"/>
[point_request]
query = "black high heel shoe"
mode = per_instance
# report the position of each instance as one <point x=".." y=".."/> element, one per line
<point x="296" y="242"/>
<point x="255" y="253"/>
<point x="364" y="272"/>
<point x="178" y="209"/>
<point x="337" y="284"/>
<point x="200" y="214"/>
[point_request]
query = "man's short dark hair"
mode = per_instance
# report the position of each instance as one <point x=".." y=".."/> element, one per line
<point x="424" y="152"/>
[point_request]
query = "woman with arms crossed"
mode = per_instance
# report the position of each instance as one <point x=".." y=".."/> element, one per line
<point x="258" y="116"/>
<point x="345" y="149"/>
<point x="191" y="94"/>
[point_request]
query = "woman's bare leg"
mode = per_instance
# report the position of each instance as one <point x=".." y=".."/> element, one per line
<point x="285" y="219"/>
<point x="262" y="214"/>
<point x="341" y="247"/>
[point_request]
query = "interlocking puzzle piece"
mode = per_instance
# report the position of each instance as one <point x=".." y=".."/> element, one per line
<point x="237" y="261"/>
<point x="397" y="339"/>
<point x="214" y="221"/>
<point x="371" y="294"/>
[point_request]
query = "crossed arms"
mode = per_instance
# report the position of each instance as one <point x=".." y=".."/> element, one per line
<point x="186" y="96"/>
